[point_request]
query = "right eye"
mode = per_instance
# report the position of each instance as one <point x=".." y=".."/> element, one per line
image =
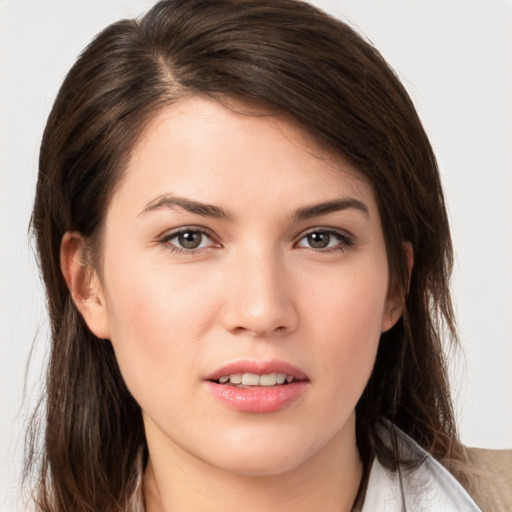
<point x="188" y="240"/>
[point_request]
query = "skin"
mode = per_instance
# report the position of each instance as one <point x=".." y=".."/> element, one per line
<point x="254" y="289"/>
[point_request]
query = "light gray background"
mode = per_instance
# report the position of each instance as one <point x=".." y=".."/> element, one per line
<point x="455" y="58"/>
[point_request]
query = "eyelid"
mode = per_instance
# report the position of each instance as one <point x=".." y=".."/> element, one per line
<point x="326" y="229"/>
<point x="183" y="229"/>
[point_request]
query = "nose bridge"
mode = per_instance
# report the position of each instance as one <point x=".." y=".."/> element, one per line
<point x="259" y="299"/>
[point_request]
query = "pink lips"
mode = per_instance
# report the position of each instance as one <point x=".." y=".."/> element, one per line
<point x="258" y="399"/>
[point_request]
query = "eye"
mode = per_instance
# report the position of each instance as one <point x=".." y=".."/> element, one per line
<point x="188" y="239"/>
<point x="325" y="239"/>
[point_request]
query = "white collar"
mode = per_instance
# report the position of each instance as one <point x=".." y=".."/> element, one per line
<point x="425" y="488"/>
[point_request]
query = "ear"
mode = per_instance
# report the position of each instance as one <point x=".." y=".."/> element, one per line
<point x="84" y="284"/>
<point x="393" y="309"/>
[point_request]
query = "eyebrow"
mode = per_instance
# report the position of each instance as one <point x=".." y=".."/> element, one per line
<point x="331" y="206"/>
<point x="204" y="209"/>
<point x="210" y="210"/>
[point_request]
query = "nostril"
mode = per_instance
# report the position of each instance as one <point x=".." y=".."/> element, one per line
<point x="260" y="332"/>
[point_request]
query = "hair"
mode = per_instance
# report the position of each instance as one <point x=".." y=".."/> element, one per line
<point x="295" y="61"/>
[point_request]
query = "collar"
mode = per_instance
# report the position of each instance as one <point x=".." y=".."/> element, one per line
<point x="425" y="487"/>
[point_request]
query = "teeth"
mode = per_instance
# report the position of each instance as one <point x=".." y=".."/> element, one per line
<point x="280" y="377"/>
<point x="268" y="380"/>
<point x="252" y="379"/>
<point x="236" y="378"/>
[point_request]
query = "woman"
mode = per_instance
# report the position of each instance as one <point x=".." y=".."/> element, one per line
<point x="246" y="252"/>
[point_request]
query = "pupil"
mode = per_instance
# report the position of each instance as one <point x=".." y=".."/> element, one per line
<point x="319" y="240"/>
<point x="190" y="239"/>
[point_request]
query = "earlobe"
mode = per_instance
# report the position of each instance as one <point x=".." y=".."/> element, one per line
<point x="394" y="305"/>
<point x="83" y="284"/>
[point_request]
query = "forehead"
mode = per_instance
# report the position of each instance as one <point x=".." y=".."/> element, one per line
<point x="209" y="151"/>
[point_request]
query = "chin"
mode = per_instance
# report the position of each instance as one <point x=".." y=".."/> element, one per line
<point x="261" y="465"/>
<point x="258" y="456"/>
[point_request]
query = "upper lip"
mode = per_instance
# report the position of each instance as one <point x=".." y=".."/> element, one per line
<point x="258" y="368"/>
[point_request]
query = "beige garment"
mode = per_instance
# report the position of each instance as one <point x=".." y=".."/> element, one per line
<point x="493" y="490"/>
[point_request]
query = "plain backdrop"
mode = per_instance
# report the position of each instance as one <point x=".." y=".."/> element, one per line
<point x="455" y="59"/>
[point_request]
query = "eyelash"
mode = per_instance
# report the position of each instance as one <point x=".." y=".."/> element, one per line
<point x="345" y="241"/>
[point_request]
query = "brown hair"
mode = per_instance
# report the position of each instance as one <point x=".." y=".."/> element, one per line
<point x="296" y="61"/>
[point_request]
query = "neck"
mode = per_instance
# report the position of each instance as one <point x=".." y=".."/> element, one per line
<point x="326" y="482"/>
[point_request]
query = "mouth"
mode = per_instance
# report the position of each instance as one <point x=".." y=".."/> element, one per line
<point x="247" y="373"/>
<point x="258" y="387"/>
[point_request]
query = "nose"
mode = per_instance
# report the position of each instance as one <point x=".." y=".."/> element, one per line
<point x="259" y="297"/>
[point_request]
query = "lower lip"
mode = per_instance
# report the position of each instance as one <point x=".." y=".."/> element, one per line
<point x="258" y="399"/>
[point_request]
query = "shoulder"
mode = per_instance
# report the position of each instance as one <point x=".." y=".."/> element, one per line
<point x="425" y="486"/>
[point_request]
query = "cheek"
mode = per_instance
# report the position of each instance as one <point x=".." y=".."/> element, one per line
<point x="350" y="302"/>
<point x="157" y="322"/>
<point x="345" y="320"/>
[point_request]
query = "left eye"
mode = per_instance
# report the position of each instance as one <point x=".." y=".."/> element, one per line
<point x="323" y="240"/>
<point x="189" y="240"/>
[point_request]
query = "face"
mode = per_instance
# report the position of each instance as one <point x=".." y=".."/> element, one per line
<point x="235" y="248"/>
